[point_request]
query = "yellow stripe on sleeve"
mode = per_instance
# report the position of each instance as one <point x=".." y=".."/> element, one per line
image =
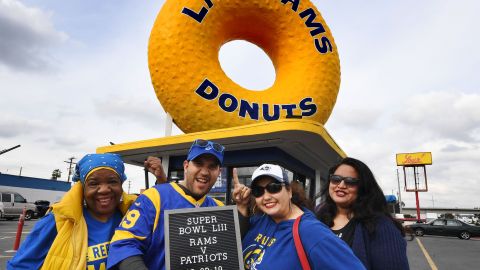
<point x="219" y="203"/>
<point x="122" y="235"/>
<point x="154" y="196"/>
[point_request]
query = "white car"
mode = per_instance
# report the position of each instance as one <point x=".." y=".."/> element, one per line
<point x="12" y="204"/>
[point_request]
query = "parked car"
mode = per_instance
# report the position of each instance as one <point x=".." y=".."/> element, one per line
<point x="467" y="218"/>
<point x="12" y="204"/>
<point x="41" y="207"/>
<point x="445" y="227"/>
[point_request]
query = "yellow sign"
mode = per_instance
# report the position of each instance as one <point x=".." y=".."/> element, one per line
<point x="421" y="158"/>
<point x="192" y="87"/>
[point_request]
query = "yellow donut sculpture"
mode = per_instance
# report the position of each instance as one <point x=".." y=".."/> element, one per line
<point x="193" y="88"/>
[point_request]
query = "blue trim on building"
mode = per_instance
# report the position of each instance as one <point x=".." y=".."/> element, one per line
<point x="8" y="180"/>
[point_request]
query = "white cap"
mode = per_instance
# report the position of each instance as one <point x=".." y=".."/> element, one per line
<point x="274" y="171"/>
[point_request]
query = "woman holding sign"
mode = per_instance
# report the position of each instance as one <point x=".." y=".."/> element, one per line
<point x="282" y="231"/>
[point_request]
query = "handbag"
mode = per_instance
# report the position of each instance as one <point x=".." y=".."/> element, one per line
<point x="298" y="245"/>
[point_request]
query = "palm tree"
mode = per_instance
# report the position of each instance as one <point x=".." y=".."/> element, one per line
<point x="56" y="174"/>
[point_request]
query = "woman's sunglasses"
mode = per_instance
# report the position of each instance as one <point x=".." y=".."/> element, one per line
<point x="349" y="181"/>
<point x="272" y="188"/>
<point x="203" y="143"/>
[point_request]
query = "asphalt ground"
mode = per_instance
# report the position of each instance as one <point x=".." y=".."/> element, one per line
<point x="424" y="253"/>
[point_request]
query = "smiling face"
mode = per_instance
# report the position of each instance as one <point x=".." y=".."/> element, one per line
<point x="276" y="205"/>
<point x="201" y="174"/>
<point x="103" y="191"/>
<point x="344" y="196"/>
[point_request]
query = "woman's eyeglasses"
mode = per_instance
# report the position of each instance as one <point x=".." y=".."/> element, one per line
<point x="203" y="143"/>
<point x="272" y="188"/>
<point x="349" y="181"/>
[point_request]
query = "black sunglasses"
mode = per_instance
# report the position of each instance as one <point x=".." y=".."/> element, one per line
<point x="349" y="181"/>
<point x="203" y="143"/>
<point x="272" y="188"/>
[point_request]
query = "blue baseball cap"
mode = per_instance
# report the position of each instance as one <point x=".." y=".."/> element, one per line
<point x="201" y="147"/>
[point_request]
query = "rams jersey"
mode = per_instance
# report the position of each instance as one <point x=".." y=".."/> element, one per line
<point x="141" y="231"/>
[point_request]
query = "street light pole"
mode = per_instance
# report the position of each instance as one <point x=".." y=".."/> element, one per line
<point x="9" y="149"/>
<point x="399" y="193"/>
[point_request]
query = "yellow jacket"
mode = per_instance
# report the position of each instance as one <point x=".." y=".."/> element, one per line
<point x="69" y="249"/>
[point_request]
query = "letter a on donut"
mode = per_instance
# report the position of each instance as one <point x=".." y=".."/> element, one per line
<point x="191" y="85"/>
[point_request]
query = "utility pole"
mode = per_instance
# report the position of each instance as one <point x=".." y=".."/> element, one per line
<point x="129" y="182"/>
<point x="70" y="162"/>
<point x="399" y="193"/>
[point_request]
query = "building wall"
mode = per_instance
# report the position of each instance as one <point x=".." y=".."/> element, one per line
<point x="455" y="211"/>
<point x="34" y="188"/>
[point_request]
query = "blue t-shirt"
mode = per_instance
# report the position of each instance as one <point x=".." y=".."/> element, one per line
<point x="142" y="229"/>
<point x="34" y="249"/>
<point x="99" y="235"/>
<point x="270" y="245"/>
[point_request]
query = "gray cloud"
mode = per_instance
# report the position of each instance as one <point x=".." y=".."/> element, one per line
<point x="27" y="35"/>
<point x="131" y="110"/>
<point x="453" y="148"/>
<point x="11" y="126"/>
<point x="443" y="115"/>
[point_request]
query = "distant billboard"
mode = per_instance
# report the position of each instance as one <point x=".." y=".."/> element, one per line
<point x="420" y="158"/>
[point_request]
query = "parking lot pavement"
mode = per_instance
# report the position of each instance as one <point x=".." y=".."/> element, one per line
<point x="416" y="258"/>
<point x="451" y="252"/>
<point x="444" y="252"/>
<point x="8" y="231"/>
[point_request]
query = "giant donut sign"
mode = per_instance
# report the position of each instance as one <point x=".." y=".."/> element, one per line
<point x="191" y="85"/>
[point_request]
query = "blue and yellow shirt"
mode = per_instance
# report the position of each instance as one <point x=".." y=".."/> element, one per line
<point x="99" y="235"/>
<point x="270" y="245"/>
<point x="34" y="249"/>
<point x="141" y="231"/>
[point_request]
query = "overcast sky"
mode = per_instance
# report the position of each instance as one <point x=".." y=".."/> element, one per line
<point x="74" y="76"/>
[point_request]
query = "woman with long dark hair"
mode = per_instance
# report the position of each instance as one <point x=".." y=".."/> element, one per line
<point x="283" y="233"/>
<point x="354" y="207"/>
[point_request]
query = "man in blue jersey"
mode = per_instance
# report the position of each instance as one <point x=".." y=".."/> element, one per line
<point x="139" y="243"/>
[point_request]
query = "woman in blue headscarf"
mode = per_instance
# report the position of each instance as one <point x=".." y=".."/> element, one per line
<point x="77" y="231"/>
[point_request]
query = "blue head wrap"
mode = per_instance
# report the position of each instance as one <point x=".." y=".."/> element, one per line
<point x="92" y="161"/>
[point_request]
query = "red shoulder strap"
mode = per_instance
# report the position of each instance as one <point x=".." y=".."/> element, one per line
<point x="298" y="245"/>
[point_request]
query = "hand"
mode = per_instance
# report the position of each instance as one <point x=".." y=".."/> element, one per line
<point x="154" y="165"/>
<point x="241" y="194"/>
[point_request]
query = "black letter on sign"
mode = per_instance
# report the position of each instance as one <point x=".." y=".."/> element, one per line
<point x="276" y="112"/>
<point x="222" y="102"/>
<point x="310" y="23"/>
<point x="325" y="46"/>
<point x="202" y="90"/>
<point x="198" y="16"/>
<point x="246" y="108"/>
<point x="308" y="109"/>
<point x="289" y="108"/>
<point x="294" y="4"/>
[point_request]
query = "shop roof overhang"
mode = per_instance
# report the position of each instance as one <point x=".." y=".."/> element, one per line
<point x="306" y="141"/>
